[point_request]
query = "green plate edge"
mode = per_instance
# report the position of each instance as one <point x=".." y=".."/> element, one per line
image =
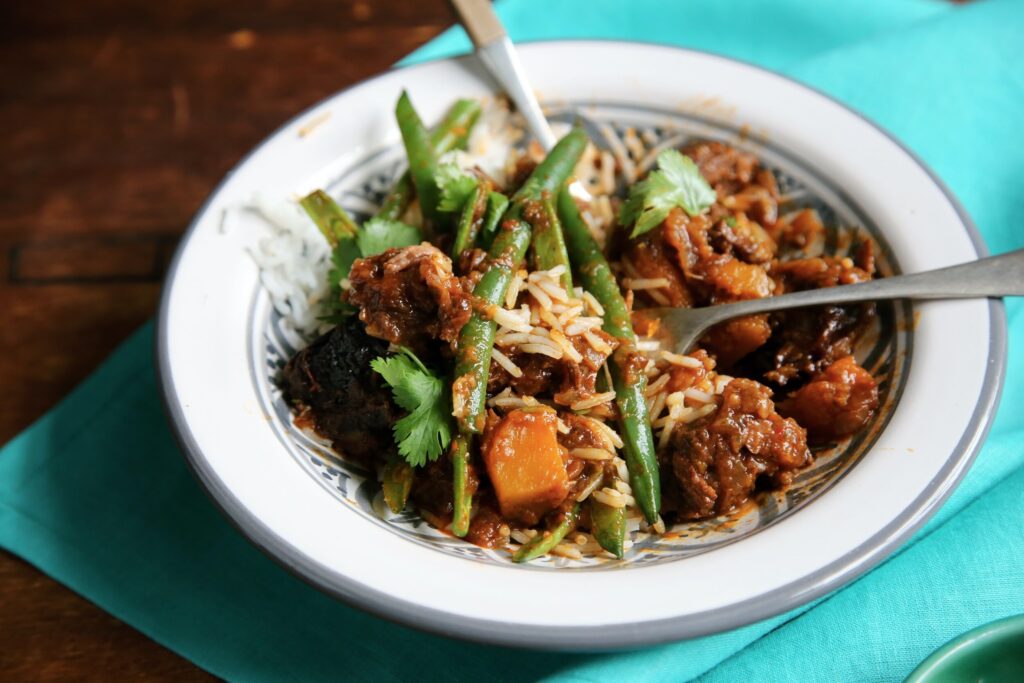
<point x="993" y="652"/>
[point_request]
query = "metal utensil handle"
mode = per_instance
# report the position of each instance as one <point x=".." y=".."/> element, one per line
<point x="1001" y="275"/>
<point x="495" y="48"/>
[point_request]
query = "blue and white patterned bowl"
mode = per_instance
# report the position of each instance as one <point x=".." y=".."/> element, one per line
<point x="222" y="346"/>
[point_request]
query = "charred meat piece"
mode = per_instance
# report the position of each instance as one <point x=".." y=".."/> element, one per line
<point x="409" y="296"/>
<point x="347" y="401"/>
<point x="834" y="404"/>
<point x="719" y="459"/>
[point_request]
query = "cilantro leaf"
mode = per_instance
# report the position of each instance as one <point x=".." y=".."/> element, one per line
<point x="425" y="432"/>
<point x="455" y="187"/>
<point x="677" y="182"/>
<point x="379" y="234"/>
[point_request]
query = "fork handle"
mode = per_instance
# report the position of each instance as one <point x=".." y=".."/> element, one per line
<point x="995" y="276"/>
<point x="495" y="49"/>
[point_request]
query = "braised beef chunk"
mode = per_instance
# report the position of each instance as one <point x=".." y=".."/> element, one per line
<point x="836" y="403"/>
<point x="347" y="400"/>
<point x="805" y="341"/>
<point x="719" y="459"/>
<point x="740" y="182"/>
<point x="409" y="296"/>
<point x="650" y="257"/>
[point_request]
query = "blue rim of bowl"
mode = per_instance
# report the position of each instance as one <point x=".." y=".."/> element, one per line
<point x="618" y="636"/>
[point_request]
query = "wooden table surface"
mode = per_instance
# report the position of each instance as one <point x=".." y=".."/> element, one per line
<point x="119" y="117"/>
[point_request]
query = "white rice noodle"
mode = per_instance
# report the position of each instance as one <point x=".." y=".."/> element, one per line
<point x="620" y="468"/>
<point x="591" y="454"/>
<point x="611" y="437"/>
<point x="597" y="343"/>
<point x="506" y="362"/>
<point x="699" y="396"/>
<point x="658" y="297"/>
<point x="593" y="401"/>
<point x="637" y="284"/>
<point x="542" y="349"/>
<point x="567" y="348"/>
<point x="507" y="400"/>
<point x="657" y="385"/>
<point x="648" y="345"/>
<point x="513" y="288"/>
<point x="657" y="405"/>
<point x="594" y="304"/>
<point x="549" y="318"/>
<point x="553" y="290"/>
<point x="567" y="550"/>
<point x="592" y="486"/>
<point x="514" y="320"/>
<point x="293" y="259"/>
<point x="539" y="295"/>
<point x="679" y="359"/>
<point x="580" y="325"/>
<point x="693" y="414"/>
<point x="626" y="165"/>
<point x="612" y="498"/>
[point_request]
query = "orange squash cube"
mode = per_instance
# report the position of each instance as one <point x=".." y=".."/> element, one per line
<point x="525" y="464"/>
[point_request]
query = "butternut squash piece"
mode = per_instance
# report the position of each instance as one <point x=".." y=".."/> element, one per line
<point x="525" y="464"/>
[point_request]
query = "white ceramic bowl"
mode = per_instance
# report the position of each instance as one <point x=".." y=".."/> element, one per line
<point x="942" y="364"/>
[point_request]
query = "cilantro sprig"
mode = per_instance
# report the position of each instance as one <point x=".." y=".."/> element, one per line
<point x="455" y="187"/>
<point x="380" y="234"/>
<point x="425" y="432"/>
<point x="677" y="182"/>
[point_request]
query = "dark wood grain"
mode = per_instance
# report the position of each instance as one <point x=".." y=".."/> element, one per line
<point x="119" y="117"/>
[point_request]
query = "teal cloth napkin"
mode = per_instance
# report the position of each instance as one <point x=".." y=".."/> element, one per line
<point x="97" y="495"/>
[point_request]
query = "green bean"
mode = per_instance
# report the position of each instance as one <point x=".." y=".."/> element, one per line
<point x="496" y="205"/>
<point x="551" y="173"/>
<point x="397" y="482"/>
<point x="469" y="223"/>
<point x="608" y="525"/>
<point x="548" y="240"/>
<point x="451" y="133"/>
<point x="463" y="495"/>
<point x="543" y="542"/>
<point x="476" y="339"/>
<point x="331" y="219"/>
<point x="422" y="157"/>
<point x="629" y="383"/>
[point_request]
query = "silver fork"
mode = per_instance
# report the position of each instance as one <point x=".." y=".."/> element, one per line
<point x="995" y="276"/>
<point x="499" y="56"/>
